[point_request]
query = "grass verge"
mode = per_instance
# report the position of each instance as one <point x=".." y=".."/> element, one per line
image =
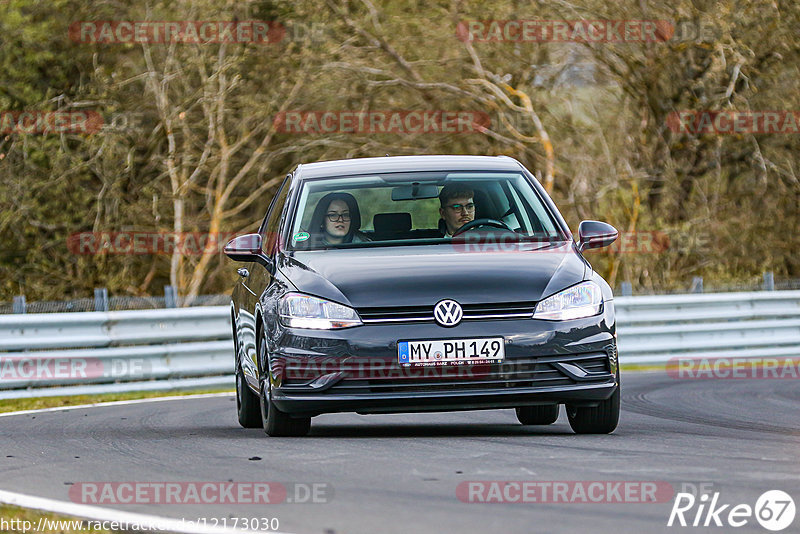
<point x="13" y="405"/>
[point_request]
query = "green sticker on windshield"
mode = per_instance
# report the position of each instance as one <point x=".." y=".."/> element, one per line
<point x="301" y="236"/>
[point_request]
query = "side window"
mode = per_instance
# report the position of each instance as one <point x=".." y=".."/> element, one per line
<point x="269" y="233"/>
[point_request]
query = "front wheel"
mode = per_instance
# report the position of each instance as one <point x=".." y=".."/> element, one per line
<point x="275" y="422"/>
<point x="600" y="419"/>
<point x="247" y="408"/>
<point x="279" y="424"/>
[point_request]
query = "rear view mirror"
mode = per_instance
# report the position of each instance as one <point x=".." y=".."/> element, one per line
<point x="415" y="191"/>
<point x="595" y="234"/>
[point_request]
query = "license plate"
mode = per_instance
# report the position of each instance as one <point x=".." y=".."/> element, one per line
<point x="451" y="352"/>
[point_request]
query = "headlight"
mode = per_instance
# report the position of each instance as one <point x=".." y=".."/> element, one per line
<point x="303" y="311"/>
<point x="582" y="300"/>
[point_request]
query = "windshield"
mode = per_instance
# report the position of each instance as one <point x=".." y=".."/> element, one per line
<point x="417" y="208"/>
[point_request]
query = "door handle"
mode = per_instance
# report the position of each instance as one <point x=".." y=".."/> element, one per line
<point x="244" y="273"/>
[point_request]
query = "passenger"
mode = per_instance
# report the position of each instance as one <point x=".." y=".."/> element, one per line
<point x="457" y="208"/>
<point x="336" y="220"/>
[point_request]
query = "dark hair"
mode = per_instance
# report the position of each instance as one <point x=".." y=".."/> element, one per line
<point x="317" y="226"/>
<point x="451" y="191"/>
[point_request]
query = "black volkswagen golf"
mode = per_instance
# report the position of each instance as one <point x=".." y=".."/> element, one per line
<point x="421" y="283"/>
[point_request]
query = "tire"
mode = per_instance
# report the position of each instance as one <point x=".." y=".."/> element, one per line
<point x="600" y="419"/>
<point x="538" y="415"/>
<point x="247" y="406"/>
<point x="275" y="422"/>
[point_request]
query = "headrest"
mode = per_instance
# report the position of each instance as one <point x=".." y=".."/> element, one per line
<point x="392" y="222"/>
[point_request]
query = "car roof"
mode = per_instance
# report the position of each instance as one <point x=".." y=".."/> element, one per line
<point x="349" y="167"/>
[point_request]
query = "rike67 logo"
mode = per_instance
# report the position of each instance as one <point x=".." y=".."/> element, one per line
<point x="774" y="510"/>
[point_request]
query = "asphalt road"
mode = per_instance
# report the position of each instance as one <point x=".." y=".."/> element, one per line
<point x="400" y="473"/>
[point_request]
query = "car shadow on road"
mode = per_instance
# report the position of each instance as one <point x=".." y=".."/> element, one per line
<point x="433" y="430"/>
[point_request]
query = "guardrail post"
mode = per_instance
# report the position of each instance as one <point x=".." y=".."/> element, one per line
<point x="627" y="289"/>
<point x="100" y="299"/>
<point x="170" y="297"/>
<point x="18" y="306"/>
<point x="769" y="281"/>
<point x="697" y="285"/>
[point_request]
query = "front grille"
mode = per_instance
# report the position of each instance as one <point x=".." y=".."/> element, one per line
<point x="516" y="373"/>
<point x="420" y="314"/>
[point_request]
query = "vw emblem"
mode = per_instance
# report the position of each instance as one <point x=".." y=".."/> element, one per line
<point x="448" y="312"/>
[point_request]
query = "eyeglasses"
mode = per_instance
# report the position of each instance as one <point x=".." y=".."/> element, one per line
<point x="462" y="207"/>
<point x="333" y="216"/>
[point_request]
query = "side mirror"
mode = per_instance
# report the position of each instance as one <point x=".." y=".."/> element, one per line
<point x="595" y="234"/>
<point x="247" y="248"/>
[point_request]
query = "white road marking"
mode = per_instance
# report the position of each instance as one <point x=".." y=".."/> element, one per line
<point x="119" y="403"/>
<point x="96" y="513"/>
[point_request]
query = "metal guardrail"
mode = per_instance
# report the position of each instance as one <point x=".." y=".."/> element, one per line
<point x="654" y="329"/>
<point x="107" y="352"/>
<point x="192" y="347"/>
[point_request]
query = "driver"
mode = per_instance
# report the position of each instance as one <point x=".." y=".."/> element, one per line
<point x="457" y="208"/>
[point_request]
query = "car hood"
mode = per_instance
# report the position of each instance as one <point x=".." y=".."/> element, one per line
<point x="423" y="275"/>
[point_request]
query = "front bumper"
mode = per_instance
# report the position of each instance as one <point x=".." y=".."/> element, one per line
<point x="487" y="399"/>
<point x="356" y="370"/>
